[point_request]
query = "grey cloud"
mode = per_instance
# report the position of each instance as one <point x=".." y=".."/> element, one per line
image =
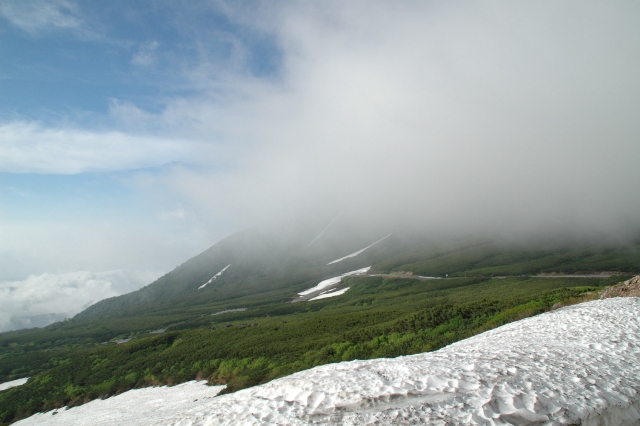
<point x="41" y="320"/>
<point x="492" y="115"/>
<point x="149" y="247"/>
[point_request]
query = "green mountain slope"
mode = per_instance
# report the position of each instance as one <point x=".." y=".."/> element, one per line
<point x="262" y="261"/>
<point x="242" y="328"/>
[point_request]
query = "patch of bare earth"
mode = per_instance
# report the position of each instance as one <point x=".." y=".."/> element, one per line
<point x="629" y="288"/>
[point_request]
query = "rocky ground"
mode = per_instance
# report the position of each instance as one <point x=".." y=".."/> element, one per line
<point x="629" y="288"/>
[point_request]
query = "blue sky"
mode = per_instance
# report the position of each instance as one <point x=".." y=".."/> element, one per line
<point x="130" y="51"/>
<point x="135" y="134"/>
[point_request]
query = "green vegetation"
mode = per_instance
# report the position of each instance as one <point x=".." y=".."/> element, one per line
<point x="377" y="317"/>
<point x="501" y="259"/>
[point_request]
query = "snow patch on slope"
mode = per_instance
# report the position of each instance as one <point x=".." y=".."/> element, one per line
<point x="323" y="231"/>
<point x="359" y="251"/>
<point x="13" y="384"/>
<point x="333" y="281"/>
<point x="213" y="278"/>
<point x="136" y="407"/>
<point x="226" y="311"/>
<point x="331" y="294"/>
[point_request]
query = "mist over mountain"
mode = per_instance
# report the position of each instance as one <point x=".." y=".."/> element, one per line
<point x="280" y="259"/>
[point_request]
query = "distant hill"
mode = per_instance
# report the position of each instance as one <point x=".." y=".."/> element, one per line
<point x="279" y="261"/>
<point x="262" y="260"/>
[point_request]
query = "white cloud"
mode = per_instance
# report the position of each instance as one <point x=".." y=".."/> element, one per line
<point x="34" y="16"/>
<point x="27" y="147"/>
<point x="48" y="297"/>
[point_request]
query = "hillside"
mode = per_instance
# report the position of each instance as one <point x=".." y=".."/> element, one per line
<point x="575" y="365"/>
<point x="240" y="329"/>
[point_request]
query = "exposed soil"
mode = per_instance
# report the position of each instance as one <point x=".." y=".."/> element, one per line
<point x="629" y="288"/>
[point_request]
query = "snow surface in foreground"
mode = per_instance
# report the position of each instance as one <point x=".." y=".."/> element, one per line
<point x="575" y="365"/>
<point x="214" y="277"/>
<point x="333" y="281"/>
<point x="13" y="384"/>
<point x="135" y="408"/>
<point x="358" y="252"/>
<point x="331" y="294"/>
<point x="557" y="368"/>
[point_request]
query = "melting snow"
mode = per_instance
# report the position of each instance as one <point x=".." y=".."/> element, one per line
<point x="136" y="407"/>
<point x="333" y="281"/>
<point x="214" y="277"/>
<point x="331" y="294"/>
<point x="359" y="251"/>
<point x="226" y="311"/>
<point x="575" y="365"/>
<point x="572" y="365"/>
<point x="322" y="232"/>
<point x="13" y="384"/>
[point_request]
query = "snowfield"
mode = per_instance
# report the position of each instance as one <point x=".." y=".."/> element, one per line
<point x="323" y="231"/>
<point x="331" y="294"/>
<point x="333" y="281"/>
<point x="136" y="407"/>
<point x="13" y="384"/>
<point x="359" y="251"/>
<point x="213" y="278"/>
<point x="576" y="365"/>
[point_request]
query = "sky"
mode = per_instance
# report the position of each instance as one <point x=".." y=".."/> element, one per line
<point x="135" y="134"/>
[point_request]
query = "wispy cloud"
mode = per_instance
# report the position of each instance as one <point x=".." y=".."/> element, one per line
<point x="34" y="16"/>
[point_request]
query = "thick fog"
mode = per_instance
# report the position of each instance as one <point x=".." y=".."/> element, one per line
<point x="504" y="116"/>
